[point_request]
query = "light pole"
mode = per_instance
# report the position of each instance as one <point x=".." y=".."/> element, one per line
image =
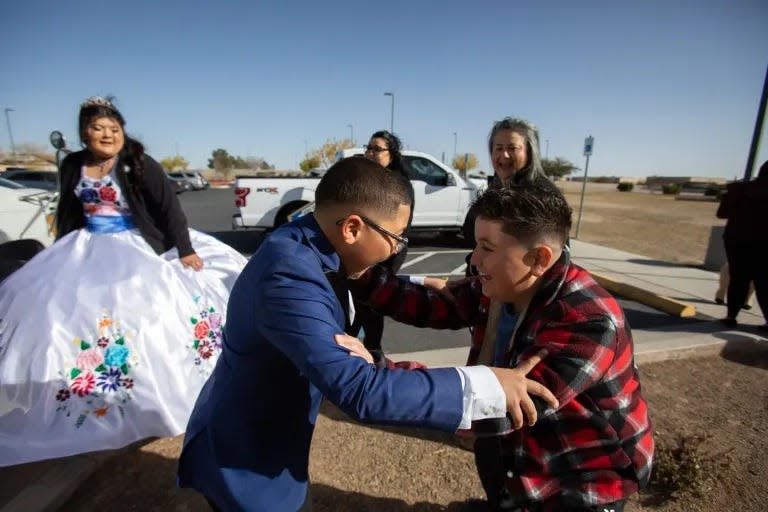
<point x="455" y="137"/>
<point x="753" y="148"/>
<point x="10" y="133"/>
<point x="306" y="148"/>
<point x="391" y="112"/>
<point x="351" y="134"/>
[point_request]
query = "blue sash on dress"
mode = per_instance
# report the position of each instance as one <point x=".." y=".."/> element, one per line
<point x="109" y="223"/>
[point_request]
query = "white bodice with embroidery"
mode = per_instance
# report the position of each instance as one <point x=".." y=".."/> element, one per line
<point x="101" y="196"/>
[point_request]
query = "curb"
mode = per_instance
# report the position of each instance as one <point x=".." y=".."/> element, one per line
<point x="52" y="490"/>
<point x="654" y="300"/>
<point x="64" y="476"/>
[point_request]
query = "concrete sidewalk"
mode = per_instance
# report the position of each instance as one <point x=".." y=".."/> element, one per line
<point x="47" y="485"/>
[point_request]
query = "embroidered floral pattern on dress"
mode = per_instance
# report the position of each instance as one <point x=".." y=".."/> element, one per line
<point x="98" y="383"/>
<point x="206" y="337"/>
<point x="100" y="197"/>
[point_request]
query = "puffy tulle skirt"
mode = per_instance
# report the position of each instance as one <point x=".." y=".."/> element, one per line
<point x="104" y="343"/>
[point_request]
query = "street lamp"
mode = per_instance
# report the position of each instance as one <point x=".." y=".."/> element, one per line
<point x="454" y="145"/>
<point x="391" y="112"/>
<point x="10" y="133"/>
<point x="351" y="134"/>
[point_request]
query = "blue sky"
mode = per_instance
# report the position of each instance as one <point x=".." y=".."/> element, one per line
<point x="666" y="88"/>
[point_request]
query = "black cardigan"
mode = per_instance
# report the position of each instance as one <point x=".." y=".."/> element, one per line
<point x="156" y="210"/>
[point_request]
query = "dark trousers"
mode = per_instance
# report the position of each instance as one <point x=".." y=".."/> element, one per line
<point x="492" y="468"/>
<point x="746" y="262"/>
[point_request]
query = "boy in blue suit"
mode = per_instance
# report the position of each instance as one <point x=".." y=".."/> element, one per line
<point x="248" y="439"/>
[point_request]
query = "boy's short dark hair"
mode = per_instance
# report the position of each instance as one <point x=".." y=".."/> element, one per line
<point x="527" y="212"/>
<point x="361" y="183"/>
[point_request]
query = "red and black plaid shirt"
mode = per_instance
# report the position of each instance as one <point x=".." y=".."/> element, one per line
<point x="597" y="447"/>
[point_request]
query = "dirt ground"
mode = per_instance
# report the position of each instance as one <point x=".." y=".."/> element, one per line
<point x="361" y="468"/>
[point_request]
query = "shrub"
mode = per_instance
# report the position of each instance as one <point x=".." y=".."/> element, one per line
<point x="671" y="188"/>
<point x="625" y="187"/>
<point x="682" y="469"/>
<point x="713" y="190"/>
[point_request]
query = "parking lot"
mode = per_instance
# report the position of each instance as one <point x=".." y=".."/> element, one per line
<point x="211" y="211"/>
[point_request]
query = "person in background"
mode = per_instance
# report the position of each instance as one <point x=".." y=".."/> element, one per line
<point x="745" y="205"/>
<point x="384" y="149"/>
<point x="722" y="288"/>
<point x="248" y="440"/>
<point x="597" y="448"/>
<point x="513" y="146"/>
<point x="108" y="335"/>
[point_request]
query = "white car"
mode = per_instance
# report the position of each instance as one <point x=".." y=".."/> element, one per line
<point x="26" y="213"/>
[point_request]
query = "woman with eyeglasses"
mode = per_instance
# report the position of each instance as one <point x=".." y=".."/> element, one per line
<point x="383" y="148"/>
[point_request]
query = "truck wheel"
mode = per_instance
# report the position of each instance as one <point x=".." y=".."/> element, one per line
<point x="282" y="216"/>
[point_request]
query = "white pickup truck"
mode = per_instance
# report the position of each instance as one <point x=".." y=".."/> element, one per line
<point x="26" y="213"/>
<point x="442" y="196"/>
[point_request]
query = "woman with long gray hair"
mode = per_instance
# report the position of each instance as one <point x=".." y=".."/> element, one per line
<point x="513" y="146"/>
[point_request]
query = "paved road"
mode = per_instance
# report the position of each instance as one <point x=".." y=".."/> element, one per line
<point x="211" y="211"/>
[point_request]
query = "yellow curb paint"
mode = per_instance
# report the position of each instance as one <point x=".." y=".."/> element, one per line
<point x="654" y="300"/>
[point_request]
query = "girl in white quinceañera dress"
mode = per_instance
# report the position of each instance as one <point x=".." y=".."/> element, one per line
<point x="104" y="338"/>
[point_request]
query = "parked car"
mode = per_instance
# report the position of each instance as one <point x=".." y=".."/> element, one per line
<point x="10" y="184"/>
<point x="179" y="185"/>
<point x="27" y="213"/>
<point x="194" y="178"/>
<point x="42" y="180"/>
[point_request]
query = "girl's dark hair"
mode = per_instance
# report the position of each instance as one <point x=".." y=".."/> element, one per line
<point x="394" y="146"/>
<point x="132" y="153"/>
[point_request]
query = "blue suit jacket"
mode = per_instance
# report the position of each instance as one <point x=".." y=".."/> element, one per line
<point x="247" y="442"/>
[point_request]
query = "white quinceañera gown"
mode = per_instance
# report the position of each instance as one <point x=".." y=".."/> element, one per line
<point x="102" y="341"/>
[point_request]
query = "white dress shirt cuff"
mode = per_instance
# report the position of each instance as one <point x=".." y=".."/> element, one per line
<point x="483" y="395"/>
<point x="416" y="279"/>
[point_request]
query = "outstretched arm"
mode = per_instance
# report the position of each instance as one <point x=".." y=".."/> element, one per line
<point x="419" y="305"/>
<point x="580" y="354"/>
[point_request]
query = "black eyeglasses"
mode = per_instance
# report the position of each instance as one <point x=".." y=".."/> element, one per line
<point x="401" y="242"/>
<point x="375" y="149"/>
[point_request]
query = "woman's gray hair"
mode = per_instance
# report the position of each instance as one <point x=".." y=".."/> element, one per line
<point x="533" y="171"/>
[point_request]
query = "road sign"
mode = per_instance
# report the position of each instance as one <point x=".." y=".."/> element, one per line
<point x="589" y="143"/>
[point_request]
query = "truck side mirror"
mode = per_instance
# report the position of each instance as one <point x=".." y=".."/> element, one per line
<point x="57" y="140"/>
<point x="451" y="181"/>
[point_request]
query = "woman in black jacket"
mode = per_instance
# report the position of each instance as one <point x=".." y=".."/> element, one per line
<point x="383" y="148"/>
<point x="154" y="208"/>
<point x="108" y="335"/>
<point x="745" y="205"/>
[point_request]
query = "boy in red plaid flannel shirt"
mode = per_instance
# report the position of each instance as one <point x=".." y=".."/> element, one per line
<point x="596" y="449"/>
